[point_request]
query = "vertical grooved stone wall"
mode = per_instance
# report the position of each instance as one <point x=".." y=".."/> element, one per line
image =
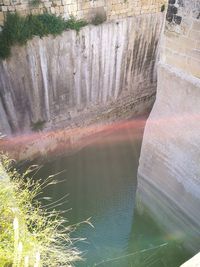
<point x="76" y="76"/>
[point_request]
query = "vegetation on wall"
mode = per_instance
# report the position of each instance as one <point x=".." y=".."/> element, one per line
<point x="18" y="29"/>
<point x="38" y="126"/>
<point x="162" y="8"/>
<point x="29" y="234"/>
<point x="35" y="3"/>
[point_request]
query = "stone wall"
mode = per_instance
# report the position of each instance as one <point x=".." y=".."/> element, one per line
<point x="73" y="78"/>
<point x="87" y="9"/>
<point x="181" y="46"/>
<point x="169" y="169"/>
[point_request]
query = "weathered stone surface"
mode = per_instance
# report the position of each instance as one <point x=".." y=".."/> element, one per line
<point x="1" y="18"/>
<point x="177" y="19"/>
<point x="113" y="9"/>
<point x="182" y="35"/>
<point x="169" y="172"/>
<point x="61" y="79"/>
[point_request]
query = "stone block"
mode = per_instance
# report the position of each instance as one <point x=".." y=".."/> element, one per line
<point x="195" y="53"/>
<point x="22" y="7"/>
<point x="194" y="35"/>
<point x="196" y="25"/>
<point x="4" y="9"/>
<point x="11" y="8"/>
<point x="57" y="10"/>
<point x="53" y="10"/>
<point x="61" y="9"/>
<point x="57" y="3"/>
<point x="47" y="4"/>
<point x="198" y="45"/>
<point x="15" y="2"/>
<point x="175" y="59"/>
<point x="1" y="18"/>
<point x="193" y="67"/>
<point x="6" y="2"/>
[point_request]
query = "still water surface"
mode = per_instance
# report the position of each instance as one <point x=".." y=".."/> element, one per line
<point x="101" y="181"/>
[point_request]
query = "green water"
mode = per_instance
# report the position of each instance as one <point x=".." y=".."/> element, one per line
<point x="101" y="182"/>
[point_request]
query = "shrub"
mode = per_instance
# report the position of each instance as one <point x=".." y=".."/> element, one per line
<point x="162" y="8"/>
<point x="18" y="29"/>
<point x="30" y="235"/>
<point x="44" y="24"/>
<point x="74" y="24"/>
<point x="4" y="47"/>
<point x="38" y="126"/>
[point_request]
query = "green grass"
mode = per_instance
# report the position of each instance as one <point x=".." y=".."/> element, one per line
<point x="18" y="29"/>
<point x="29" y="234"/>
<point x="75" y="24"/>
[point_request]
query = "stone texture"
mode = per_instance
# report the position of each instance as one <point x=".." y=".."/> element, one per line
<point x="169" y="172"/>
<point x="58" y="80"/>
<point x="1" y="18"/>
<point x="113" y="9"/>
<point x="182" y="35"/>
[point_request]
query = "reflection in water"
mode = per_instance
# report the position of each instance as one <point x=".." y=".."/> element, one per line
<point x="101" y="182"/>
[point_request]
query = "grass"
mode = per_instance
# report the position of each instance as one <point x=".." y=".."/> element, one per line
<point x="18" y="29"/>
<point x="75" y="24"/>
<point x="29" y="234"/>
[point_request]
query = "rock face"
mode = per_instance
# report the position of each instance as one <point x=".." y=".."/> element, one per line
<point x="169" y="168"/>
<point x="64" y="79"/>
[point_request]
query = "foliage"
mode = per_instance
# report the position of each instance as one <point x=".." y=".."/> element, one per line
<point x="74" y="24"/>
<point x="29" y="234"/>
<point x="18" y="29"/>
<point x="162" y="8"/>
<point x="38" y="126"/>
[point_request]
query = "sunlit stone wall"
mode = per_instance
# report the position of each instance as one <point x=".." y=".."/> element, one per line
<point x="102" y="72"/>
<point x="169" y="169"/>
<point x="87" y="9"/>
<point x="181" y="44"/>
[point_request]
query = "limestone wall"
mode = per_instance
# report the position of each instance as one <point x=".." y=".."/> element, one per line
<point x="181" y="44"/>
<point x="105" y="69"/>
<point x="112" y="9"/>
<point x="169" y="168"/>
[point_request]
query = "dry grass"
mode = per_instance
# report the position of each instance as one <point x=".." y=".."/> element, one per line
<point x="30" y="235"/>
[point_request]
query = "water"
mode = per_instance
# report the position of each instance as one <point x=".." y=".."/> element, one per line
<point x="101" y="181"/>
